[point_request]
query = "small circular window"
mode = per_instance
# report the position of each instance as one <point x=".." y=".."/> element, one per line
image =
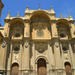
<point x="17" y="35"/>
<point x="62" y="35"/>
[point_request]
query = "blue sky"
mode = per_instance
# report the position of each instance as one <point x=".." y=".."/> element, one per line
<point x="60" y="6"/>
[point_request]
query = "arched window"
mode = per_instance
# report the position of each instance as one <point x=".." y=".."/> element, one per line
<point x="63" y="28"/>
<point x="41" y="67"/>
<point x="68" y="68"/>
<point x="14" y="69"/>
<point x="62" y="35"/>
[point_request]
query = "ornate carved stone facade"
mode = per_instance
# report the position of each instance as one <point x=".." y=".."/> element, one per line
<point x="37" y="44"/>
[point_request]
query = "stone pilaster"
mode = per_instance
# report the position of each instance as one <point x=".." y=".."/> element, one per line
<point x="6" y="31"/>
<point x="57" y="55"/>
<point x="26" y="55"/>
<point x="27" y="29"/>
<point x="51" y="57"/>
<point x="72" y="30"/>
<point x="54" y="30"/>
<point x="62" y="56"/>
<point x="71" y="56"/>
<point x="51" y="64"/>
<point x="3" y="51"/>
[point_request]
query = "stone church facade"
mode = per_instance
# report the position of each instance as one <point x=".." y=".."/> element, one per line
<point x="37" y="44"/>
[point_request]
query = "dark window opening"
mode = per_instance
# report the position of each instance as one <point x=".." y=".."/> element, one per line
<point x="65" y="48"/>
<point x="17" y="35"/>
<point x="16" y="48"/>
<point x="62" y="35"/>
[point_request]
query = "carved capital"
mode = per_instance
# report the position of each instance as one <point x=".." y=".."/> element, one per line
<point x="26" y="44"/>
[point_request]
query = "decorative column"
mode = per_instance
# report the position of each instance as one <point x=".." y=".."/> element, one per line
<point x="3" y="51"/>
<point x="72" y="30"/>
<point x="27" y="29"/>
<point x="6" y="30"/>
<point x="33" y="62"/>
<point x="54" y="30"/>
<point x="26" y="56"/>
<point x="57" y="54"/>
<point x="62" y="56"/>
<point x="51" y="64"/>
<point x="72" y="58"/>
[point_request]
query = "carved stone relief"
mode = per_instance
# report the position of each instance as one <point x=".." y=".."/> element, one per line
<point x="56" y="44"/>
<point x="3" y="44"/>
<point x="5" y="33"/>
<point x="26" y="44"/>
<point x="40" y="33"/>
<point x="41" y="47"/>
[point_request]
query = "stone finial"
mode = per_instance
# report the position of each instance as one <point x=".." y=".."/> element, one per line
<point x="39" y="7"/>
<point x="18" y="14"/>
<point x="27" y="9"/>
<point x="52" y="10"/>
<point x="70" y="17"/>
<point x="8" y="16"/>
<point x="61" y="15"/>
